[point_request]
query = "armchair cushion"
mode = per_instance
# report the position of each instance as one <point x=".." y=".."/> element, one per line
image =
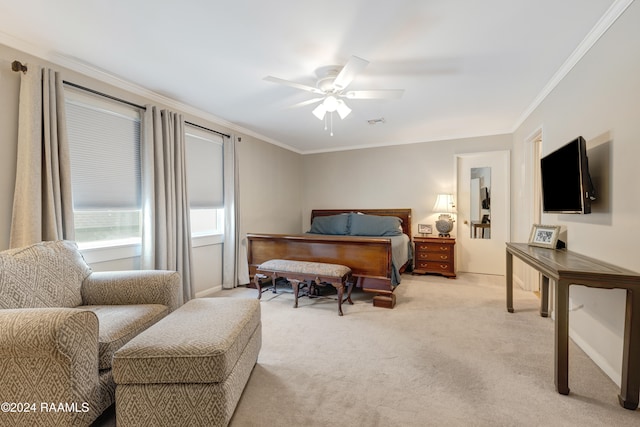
<point x="133" y="287"/>
<point x="45" y="274"/>
<point x="120" y="323"/>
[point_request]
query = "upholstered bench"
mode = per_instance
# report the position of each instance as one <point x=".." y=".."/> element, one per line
<point x="191" y="367"/>
<point x="295" y="272"/>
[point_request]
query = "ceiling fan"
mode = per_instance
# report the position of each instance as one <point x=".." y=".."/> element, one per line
<point x="332" y="89"/>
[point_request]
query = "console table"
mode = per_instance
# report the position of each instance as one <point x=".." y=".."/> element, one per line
<point x="567" y="268"/>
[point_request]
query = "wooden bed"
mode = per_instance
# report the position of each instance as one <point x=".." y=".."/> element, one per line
<point x="369" y="258"/>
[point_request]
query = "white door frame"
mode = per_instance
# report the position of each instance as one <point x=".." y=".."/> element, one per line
<point x="504" y="155"/>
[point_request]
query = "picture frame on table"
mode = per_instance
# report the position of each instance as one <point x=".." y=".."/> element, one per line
<point x="425" y="229"/>
<point x="544" y="236"/>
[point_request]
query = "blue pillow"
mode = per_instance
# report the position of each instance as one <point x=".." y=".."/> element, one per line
<point x="331" y="224"/>
<point x="375" y="225"/>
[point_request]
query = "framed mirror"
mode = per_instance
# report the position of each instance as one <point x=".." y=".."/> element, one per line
<point x="480" y="203"/>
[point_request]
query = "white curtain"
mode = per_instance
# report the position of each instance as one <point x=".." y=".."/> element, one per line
<point x="236" y="269"/>
<point x="42" y="202"/>
<point x="166" y="227"/>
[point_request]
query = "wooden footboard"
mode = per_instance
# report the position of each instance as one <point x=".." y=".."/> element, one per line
<point x="369" y="258"/>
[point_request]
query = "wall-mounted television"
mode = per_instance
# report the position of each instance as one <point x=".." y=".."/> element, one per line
<point x="566" y="183"/>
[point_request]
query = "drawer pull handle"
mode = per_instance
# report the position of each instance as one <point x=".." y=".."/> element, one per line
<point x="443" y="248"/>
<point x="444" y="257"/>
<point x="444" y="267"/>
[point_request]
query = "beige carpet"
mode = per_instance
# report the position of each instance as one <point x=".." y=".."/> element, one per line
<point x="448" y="354"/>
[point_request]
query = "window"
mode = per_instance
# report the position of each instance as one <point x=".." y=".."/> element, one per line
<point x="104" y="142"/>
<point x="204" y="151"/>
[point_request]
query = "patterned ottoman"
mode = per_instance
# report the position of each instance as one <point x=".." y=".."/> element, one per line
<point x="191" y="367"/>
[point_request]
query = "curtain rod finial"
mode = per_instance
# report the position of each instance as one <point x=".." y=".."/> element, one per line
<point x="18" y="66"/>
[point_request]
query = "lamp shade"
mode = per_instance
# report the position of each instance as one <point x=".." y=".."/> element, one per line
<point x="444" y="204"/>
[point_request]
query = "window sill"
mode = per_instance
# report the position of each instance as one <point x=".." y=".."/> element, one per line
<point x="95" y="252"/>
<point x="207" y="240"/>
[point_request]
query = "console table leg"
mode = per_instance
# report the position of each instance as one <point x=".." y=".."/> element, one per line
<point x="561" y="347"/>
<point x="629" y="390"/>
<point x="509" y="282"/>
<point x="544" y="297"/>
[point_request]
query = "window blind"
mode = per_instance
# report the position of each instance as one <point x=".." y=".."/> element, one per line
<point x="104" y="139"/>
<point x="204" y="168"/>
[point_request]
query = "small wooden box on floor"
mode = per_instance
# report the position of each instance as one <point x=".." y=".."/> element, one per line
<point x="434" y="255"/>
<point x="384" y="301"/>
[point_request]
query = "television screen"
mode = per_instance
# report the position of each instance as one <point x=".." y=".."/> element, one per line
<point x="566" y="184"/>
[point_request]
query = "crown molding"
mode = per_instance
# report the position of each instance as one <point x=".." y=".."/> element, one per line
<point x="611" y="15"/>
<point x="85" y="69"/>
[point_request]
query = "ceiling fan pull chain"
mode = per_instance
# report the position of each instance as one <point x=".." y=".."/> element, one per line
<point x="332" y="123"/>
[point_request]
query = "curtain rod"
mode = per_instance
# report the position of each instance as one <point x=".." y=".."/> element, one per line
<point x="207" y="129"/>
<point x="95" y="92"/>
<point x="18" y="66"/>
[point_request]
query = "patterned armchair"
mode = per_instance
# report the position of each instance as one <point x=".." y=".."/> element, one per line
<point x="61" y="323"/>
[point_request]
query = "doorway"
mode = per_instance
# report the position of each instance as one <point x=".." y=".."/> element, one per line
<point x="483" y="199"/>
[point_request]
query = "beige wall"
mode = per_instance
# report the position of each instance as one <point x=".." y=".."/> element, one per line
<point x="600" y="100"/>
<point x="401" y="176"/>
<point x="269" y="175"/>
<point x="271" y="188"/>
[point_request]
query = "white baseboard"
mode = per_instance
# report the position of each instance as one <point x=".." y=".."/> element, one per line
<point x="597" y="358"/>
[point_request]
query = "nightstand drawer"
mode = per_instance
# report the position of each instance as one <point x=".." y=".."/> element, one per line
<point x="433" y="247"/>
<point x="434" y="266"/>
<point x="433" y="256"/>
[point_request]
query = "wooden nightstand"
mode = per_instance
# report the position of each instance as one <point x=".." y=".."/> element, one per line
<point x="434" y="255"/>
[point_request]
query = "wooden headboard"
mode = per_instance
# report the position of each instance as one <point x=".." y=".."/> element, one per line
<point x="403" y="214"/>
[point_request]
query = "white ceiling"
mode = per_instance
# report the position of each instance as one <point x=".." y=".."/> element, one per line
<point x="468" y="67"/>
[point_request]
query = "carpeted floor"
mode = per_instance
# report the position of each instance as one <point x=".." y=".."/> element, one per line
<point x="448" y="354"/>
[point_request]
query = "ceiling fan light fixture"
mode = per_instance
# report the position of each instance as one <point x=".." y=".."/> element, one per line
<point x="331" y="86"/>
<point x="331" y="103"/>
<point x="320" y="111"/>
<point x="343" y="109"/>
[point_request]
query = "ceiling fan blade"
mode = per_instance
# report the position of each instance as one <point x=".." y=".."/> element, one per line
<point x="349" y="71"/>
<point x="375" y="94"/>
<point x="294" y="84"/>
<point x="307" y="102"/>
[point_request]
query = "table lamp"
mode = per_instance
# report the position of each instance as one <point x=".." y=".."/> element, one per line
<point x="445" y="207"/>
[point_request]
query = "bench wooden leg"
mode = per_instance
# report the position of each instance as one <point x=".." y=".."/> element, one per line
<point x="256" y="279"/>
<point x="350" y="286"/>
<point x="295" y="286"/>
<point x="340" y="288"/>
